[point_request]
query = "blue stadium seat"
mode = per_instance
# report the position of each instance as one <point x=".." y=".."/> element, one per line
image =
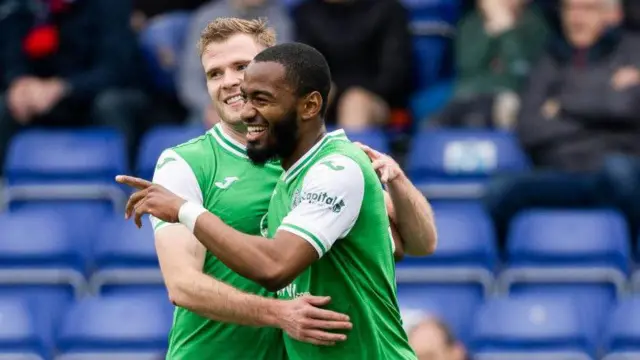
<point x="124" y="254"/>
<point x="428" y="102"/>
<point x="622" y="339"/>
<point x="21" y="335"/>
<point x="466" y="251"/>
<point x="74" y="165"/>
<point x="82" y="155"/>
<point x="455" y="304"/>
<point x="635" y="277"/>
<point x="375" y="139"/>
<point x="38" y="250"/>
<point x="164" y="37"/>
<point x="47" y="302"/>
<point x="520" y="328"/>
<point x="593" y="301"/>
<point x="158" y="139"/>
<point x="115" y="327"/>
<point x="455" y="164"/>
<point x="430" y="52"/>
<point x="567" y="247"/>
<point x="443" y="10"/>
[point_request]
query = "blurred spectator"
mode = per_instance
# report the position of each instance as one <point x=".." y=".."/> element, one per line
<point x="583" y="101"/>
<point x="145" y="10"/>
<point x="580" y="120"/>
<point x="368" y="46"/>
<point x="192" y="87"/>
<point x="432" y="339"/>
<point x="495" y="48"/>
<point x="67" y="63"/>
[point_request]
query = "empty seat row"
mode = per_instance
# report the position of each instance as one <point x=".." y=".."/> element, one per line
<point x="125" y="326"/>
<point x="131" y="325"/>
<point x="92" y="155"/>
<point x="534" y="326"/>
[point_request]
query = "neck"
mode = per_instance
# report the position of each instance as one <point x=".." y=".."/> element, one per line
<point x="304" y="145"/>
<point x="236" y="134"/>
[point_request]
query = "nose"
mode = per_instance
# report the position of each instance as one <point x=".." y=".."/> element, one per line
<point x="231" y="79"/>
<point x="248" y="112"/>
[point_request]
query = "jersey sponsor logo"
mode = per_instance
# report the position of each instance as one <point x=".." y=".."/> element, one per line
<point x="264" y="226"/>
<point x="322" y="198"/>
<point x="164" y="162"/>
<point x="331" y="165"/>
<point x="224" y="184"/>
<point x="291" y="291"/>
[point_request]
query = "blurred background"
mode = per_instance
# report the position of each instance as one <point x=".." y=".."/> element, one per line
<point x="520" y="121"/>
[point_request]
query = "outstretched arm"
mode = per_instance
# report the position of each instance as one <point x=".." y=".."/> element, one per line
<point x="181" y="259"/>
<point x="306" y="233"/>
<point x="408" y="209"/>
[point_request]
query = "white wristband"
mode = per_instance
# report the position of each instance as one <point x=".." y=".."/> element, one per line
<point x="188" y="214"/>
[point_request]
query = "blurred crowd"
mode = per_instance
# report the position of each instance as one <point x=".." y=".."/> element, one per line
<point x="563" y="75"/>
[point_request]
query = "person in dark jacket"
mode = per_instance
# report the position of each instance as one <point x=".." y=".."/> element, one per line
<point x="67" y="63"/>
<point x="496" y="45"/>
<point x="579" y="120"/>
<point x="368" y="46"/>
<point x="583" y="100"/>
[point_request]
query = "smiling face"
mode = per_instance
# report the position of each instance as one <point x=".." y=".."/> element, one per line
<point x="270" y="112"/>
<point x="224" y="64"/>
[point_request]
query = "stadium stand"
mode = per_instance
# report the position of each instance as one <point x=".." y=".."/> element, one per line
<point x="71" y="269"/>
<point x="533" y="328"/>
<point x="455" y="164"/>
<point x="93" y="328"/>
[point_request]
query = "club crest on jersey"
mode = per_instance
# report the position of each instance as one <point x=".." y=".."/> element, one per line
<point x="264" y="226"/>
<point x="318" y="198"/>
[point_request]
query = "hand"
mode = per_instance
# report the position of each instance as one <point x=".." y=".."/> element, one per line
<point x="550" y="109"/>
<point x="152" y="199"/>
<point x="303" y="320"/>
<point x="46" y="94"/>
<point x="625" y="77"/>
<point x="19" y="99"/>
<point x="387" y="168"/>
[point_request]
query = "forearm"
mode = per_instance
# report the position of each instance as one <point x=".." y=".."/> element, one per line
<point x="250" y="256"/>
<point x="413" y="217"/>
<point x="218" y="301"/>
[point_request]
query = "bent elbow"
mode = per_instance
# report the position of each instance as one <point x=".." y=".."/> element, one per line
<point x="177" y="292"/>
<point x="275" y="279"/>
<point x="177" y="297"/>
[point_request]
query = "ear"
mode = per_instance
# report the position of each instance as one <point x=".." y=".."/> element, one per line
<point x="310" y="106"/>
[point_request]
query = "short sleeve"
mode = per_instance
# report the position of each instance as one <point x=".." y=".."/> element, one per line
<point x="328" y="203"/>
<point x="175" y="174"/>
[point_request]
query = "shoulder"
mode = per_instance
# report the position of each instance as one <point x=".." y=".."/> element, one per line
<point x="334" y="171"/>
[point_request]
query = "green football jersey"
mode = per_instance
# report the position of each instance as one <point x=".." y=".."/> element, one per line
<point x="332" y="198"/>
<point x="214" y="170"/>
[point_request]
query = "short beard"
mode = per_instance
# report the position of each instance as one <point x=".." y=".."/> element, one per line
<point x="284" y="138"/>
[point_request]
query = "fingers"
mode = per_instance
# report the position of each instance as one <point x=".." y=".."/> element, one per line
<point x="133" y="201"/>
<point x="383" y="170"/>
<point x="323" y="314"/>
<point x="140" y="209"/>
<point x="134" y="182"/>
<point x="320" y="337"/>
<point x="331" y="325"/>
<point x="317" y="300"/>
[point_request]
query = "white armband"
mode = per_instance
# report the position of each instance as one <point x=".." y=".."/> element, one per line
<point x="188" y="214"/>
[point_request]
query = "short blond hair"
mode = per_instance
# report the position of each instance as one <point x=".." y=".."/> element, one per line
<point x="221" y="29"/>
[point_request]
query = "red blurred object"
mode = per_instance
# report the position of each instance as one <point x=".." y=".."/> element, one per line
<point x="400" y="119"/>
<point x="42" y="41"/>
